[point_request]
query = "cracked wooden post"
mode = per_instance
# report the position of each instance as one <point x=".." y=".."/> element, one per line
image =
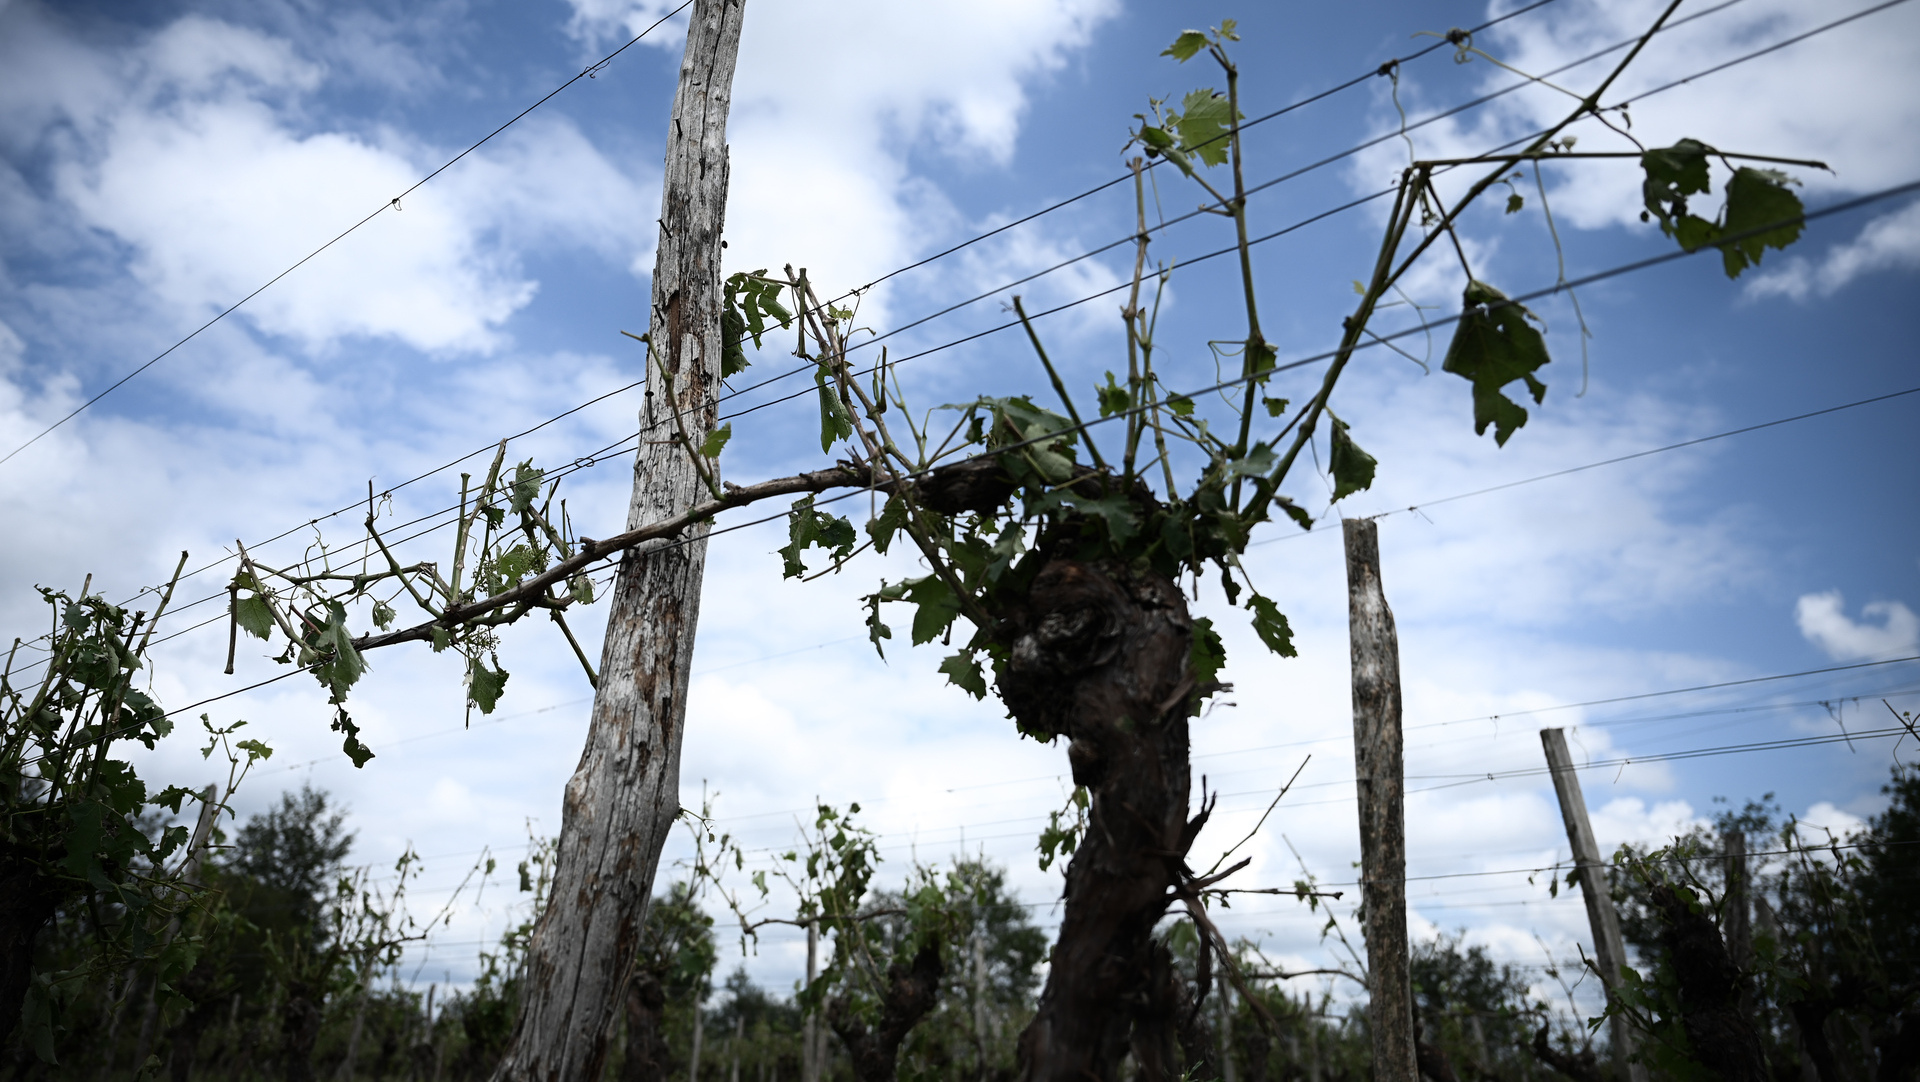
<point x="621" y="802"/>
<point x="1378" y="768"/>
<point x="1610" y="953"/>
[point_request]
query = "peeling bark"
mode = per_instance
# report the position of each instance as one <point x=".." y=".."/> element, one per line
<point x="622" y="799"/>
<point x="1099" y="656"/>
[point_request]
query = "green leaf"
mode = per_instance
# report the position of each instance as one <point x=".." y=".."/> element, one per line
<point x="1181" y="405"/>
<point x="807" y="527"/>
<point x="340" y="665"/>
<point x="1515" y="202"/>
<point x="1207" y="655"/>
<point x="963" y="672"/>
<point x="1256" y="462"/>
<point x="835" y="423"/>
<point x="1757" y="198"/>
<point x="382" y="615"/>
<point x="1271" y="625"/>
<point x="484" y="685"/>
<point x="1493" y="345"/>
<point x="254" y="617"/>
<point x="526" y="486"/>
<point x="358" y="752"/>
<point x="1275" y="406"/>
<point x="1113" y="397"/>
<point x="1118" y="512"/>
<point x="877" y="628"/>
<point x="1204" y="123"/>
<point x="1352" y="467"/>
<point x="1673" y="173"/>
<point x="1295" y="512"/>
<point x="891" y="520"/>
<point x="750" y="299"/>
<point x="717" y="440"/>
<point x="935" y="607"/>
<point x="1186" y="45"/>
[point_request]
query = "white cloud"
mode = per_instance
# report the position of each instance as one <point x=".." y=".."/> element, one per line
<point x="1887" y="628"/>
<point x="192" y="151"/>
<point x="832" y="134"/>
<point x="1847" y="96"/>
<point x="1889" y="242"/>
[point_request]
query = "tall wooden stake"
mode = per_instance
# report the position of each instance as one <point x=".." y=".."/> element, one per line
<point x="810" y="1035"/>
<point x="1739" y="927"/>
<point x="1377" y="764"/>
<point x="623" y="798"/>
<point x="1609" y="952"/>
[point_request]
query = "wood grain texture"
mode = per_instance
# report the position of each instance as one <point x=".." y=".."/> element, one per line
<point x="1609" y="951"/>
<point x="621" y="802"/>
<point x="1378" y="768"/>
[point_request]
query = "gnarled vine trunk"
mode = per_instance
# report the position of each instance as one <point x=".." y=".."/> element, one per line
<point x="912" y="991"/>
<point x="622" y="799"/>
<point x="1099" y="656"/>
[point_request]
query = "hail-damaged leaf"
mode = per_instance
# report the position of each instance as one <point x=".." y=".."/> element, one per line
<point x="1207" y="655"/>
<point x="1493" y="345"/>
<point x="717" y="441"/>
<point x="1204" y="123"/>
<point x="1352" y="467"/>
<point x="340" y="665"/>
<point x="1271" y="625"/>
<point x="1673" y="174"/>
<point x="836" y="423"/>
<point x="253" y="615"/>
<point x="890" y="521"/>
<point x="581" y="587"/>
<point x="750" y="299"/>
<point x="1115" y="510"/>
<point x="343" y="723"/>
<point x="1186" y="45"/>
<point x="934" y="608"/>
<point x="382" y="615"/>
<point x="526" y="486"/>
<point x="1113" y="397"/>
<point x="485" y="685"/>
<point x="1756" y="199"/>
<point x="1294" y="511"/>
<point x="963" y="672"/>
<point x="807" y="527"/>
<point x="1255" y="463"/>
<point x="877" y="628"/>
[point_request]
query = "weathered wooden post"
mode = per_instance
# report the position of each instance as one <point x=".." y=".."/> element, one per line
<point x="1609" y="951"/>
<point x="1378" y="767"/>
<point x="624" y="796"/>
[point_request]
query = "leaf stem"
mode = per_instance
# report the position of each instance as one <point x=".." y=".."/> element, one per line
<point x="1059" y="387"/>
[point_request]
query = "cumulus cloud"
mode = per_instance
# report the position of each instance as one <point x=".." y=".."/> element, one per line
<point x="192" y="150"/>
<point x="1846" y="96"/>
<point x="1889" y="242"/>
<point x="832" y="134"/>
<point x="1886" y="628"/>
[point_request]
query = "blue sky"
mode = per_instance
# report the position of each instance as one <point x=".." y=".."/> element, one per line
<point x="163" y="160"/>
